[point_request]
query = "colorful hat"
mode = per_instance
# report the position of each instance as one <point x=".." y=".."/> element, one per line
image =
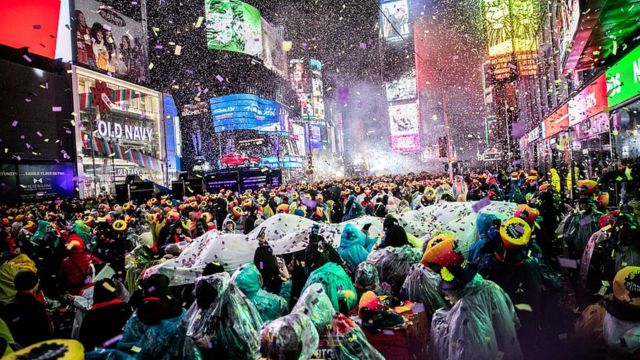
<point x="119" y="225"/>
<point x="587" y="187"/>
<point x="527" y="213"/>
<point x="626" y="286"/>
<point x="515" y="233"/>
<point x="282" y="209"/>
<point x="442" y="252"/>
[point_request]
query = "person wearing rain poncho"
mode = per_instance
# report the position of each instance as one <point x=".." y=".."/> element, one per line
<point x="249" y="280"/>
<point x="355" y="246"/>
<point x="291" y="337"/>
<point x="481" y="323"/>
<point x="337" y="285"/>
<point x="343" y="336"/>
<point x="222" y="323"/>
<point x="421" y="286"/>
<point x="157" y="328"/>
<point x="518" y="274"/>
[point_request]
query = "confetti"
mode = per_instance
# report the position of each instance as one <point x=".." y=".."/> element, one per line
<point x="219" y="78"/>
<point x="14" y="123"/>
<point x="56" y="109"/>
<point x="199" y="22"/>
<point x="178" y="50"/>
<point x="27" y="58"/>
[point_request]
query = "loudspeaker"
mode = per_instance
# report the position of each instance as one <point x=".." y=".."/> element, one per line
<point x="177" y="189"/>
<point x="130" y="179"/>
<point x="194" y="187"/>
<point x="122" y="193"/>
<point x="141" y="192"/>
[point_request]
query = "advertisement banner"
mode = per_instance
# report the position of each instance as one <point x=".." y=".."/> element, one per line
<point x="403" y="88"/>
<point x="46" y="181"/>
<point x="8" y="182"/>
<point x="590" y="101"/>
<point x="315" y="137"/>
<point x="274" y="58"/>
<point x="233" y="25"/>
<point x="404" y="127"/>
<point x="112" y="38"/>
<point x="623" y="79"/>
<point x="247" y="112"/>
<point x="195" y="109"/>
<point x="218" y="181"/>
<point x="556" y="122"/>
<point x="286" y="162"/>
<point x="394" y="19"/>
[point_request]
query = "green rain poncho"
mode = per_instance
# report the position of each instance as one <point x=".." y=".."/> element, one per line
<point x="249" y="280"/>
<point x="80" y="228"/>
<point x="43" y="228"/>
<point x="336" y="284"/>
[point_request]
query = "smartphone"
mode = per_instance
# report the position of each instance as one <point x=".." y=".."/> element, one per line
<point x="262" y="232"/>
<point x="315" y="229"/>
<point x="366" y="227"/>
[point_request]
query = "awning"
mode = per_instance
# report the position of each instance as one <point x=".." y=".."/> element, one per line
<point x="606" y="28"/>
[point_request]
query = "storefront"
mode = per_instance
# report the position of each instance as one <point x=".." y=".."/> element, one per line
<point x="531" y="149"/>
<point x="589" y="124"/>
<point x="623" y="91"/>
<point x="119" y="132"/>
<point x="555" y="150"/>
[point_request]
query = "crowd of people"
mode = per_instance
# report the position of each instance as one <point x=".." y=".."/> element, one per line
<point x="556" y="275"/>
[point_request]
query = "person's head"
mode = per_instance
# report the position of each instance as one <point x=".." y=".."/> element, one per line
<point x="125" y="44"/>
<point x="206" y="294"/>
<point x="97" y="32"/>
<point x="26" y="281"/>
<point x="80" y="18"/>
<point x="104" y="290"/>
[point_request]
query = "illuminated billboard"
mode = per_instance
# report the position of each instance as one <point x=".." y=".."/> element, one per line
<point x="394" y="19"/>
<point x="247" y="112"/>
<point x="273" y="56"/>
<point x="511" y="27"/>
<point x="233" y="25"/>
<point x="41" y="26"/>
<point x="623" y="78"/>
<point x="404" y="127"/>
<point x="110" y="41"/>
<point x="402" y="89"/>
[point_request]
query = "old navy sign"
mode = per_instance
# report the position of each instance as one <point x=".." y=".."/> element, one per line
<point x="118" y="131"/>
<point x="591" y="101"/>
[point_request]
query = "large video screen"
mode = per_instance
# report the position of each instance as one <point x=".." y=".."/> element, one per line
<point x="394" y="19"/>
<point x="233" y="25"/>
<point x="109" y="40"/>
<point x="404" y="127"/>
<point x="403" y="88"/>
<point x="46" y="181"/>
<point x="42" y="26"/>
<point x="247" y="112"/>
<point x="35" y="108"/>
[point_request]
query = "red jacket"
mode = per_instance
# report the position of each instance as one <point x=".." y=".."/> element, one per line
<point x="75" y="271"/>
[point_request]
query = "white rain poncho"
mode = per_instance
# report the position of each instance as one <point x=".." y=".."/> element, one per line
<point x="290" y="233"/>
<point x="481" y="325"/>
<point x="291" y="337"/>
<point x="393" y="264"/>
<point x="622" y="337"/>
<point x="285" y="233"/>
<point x="231" y="325"/>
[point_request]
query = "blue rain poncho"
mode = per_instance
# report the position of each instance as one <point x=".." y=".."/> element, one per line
<point x="336" y="284"/>
<point x="481" y="325"/>
<point x="163" y="341"/>
<point x="355" y="246"/>
<point x="231" y="325"/>
<point x="249" y="281"/>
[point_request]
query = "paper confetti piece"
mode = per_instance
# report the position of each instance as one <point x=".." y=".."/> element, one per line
<point x="111" y="341"/>
<point x="219" y="78"/>
<point x="480" y="204"/>
<point x="56" y="109"/>
<point x="199" y="21"/>
<point x="14" y="123"/>
<point x="26" y="57"/>
<point x="108" y="287"/>
<point x="135" y="349"/>
<point x="286" y="46"/>
<point x="363" y="45"/>
<point x="524" y="307"/>
<point x="150" y="66"/>
<point x="178" y="50"/>
<point x="37" y="27"/>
